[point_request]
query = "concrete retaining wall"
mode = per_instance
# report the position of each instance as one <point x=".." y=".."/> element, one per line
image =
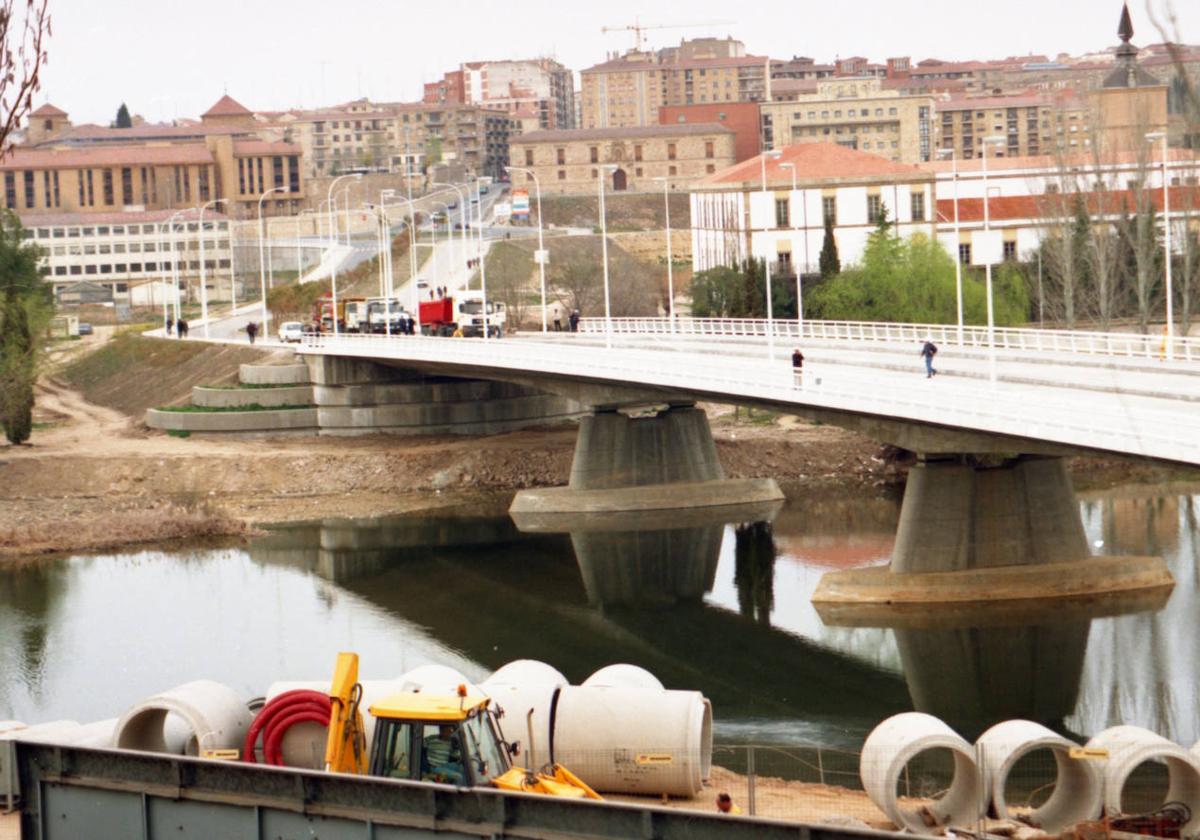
<point x="404" y="393"/>
<point x="486" y="416"/>
<point x="233" y="421"/>
<point x="231" y="397"/>
<point x="294" y="374"/>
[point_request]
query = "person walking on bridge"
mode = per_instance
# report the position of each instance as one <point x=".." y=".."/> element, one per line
<point x="798" y="368"/>
<point x="928" y="351"/>
<point x="252" y="331"/>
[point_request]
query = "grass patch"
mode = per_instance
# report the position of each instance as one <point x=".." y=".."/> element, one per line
<point x="178" y="433"/>
<point x="242" y="386"/>
<point x="41" y="427"/>
<point x="206" y="409"/>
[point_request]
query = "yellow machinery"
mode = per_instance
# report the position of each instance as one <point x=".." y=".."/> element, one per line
<point x="452" y="739"/>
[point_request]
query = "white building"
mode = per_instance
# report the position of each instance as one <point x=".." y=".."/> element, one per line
<point x="734" y="217"/>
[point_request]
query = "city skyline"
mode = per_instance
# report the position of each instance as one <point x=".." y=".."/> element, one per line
<point x="345" y="58"/>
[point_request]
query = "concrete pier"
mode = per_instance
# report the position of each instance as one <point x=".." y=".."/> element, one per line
<point x="661" y="462"/>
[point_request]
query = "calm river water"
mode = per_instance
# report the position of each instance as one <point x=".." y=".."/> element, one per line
<point x="711" y="606"/>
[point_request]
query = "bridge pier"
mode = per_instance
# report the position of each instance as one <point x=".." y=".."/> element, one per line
<point x="973" y="534"/>
<point x="665" y="461"/>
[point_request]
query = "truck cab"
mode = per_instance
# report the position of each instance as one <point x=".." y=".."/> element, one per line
<point x="438" y="738"/>
<point x="469" y="312"/>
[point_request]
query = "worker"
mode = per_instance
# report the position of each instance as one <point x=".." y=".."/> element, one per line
<point x="458" y="333"/>
<point x="442" y="761"/>
<point x="725" y="804"/>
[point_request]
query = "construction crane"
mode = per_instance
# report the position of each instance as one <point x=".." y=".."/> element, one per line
<point x="637" y="29"/>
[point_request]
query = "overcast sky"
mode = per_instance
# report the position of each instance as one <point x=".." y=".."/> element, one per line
<point x="170" y="58"/>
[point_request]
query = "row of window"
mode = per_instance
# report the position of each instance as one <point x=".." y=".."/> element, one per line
<point x="133" y="247"/>
<point x="829" y="209"/>
<point x="252" y="175"/>
<point x="119" y="230"/>
<point x="145" y="188"/>
<point x="964" y="252"/>
<point x="850" y="112"/>
<point x="132" y="268"/>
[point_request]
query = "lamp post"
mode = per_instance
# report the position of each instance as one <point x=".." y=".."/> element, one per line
<point x="991" y="308"/>
<point x="958" y="289"/>
<point x="670" y="268"/>
<point x="262" y="260"/>
<point x="774" y="154"/>
<point x="333" y="240"/>
<point x="791" y="167"/>
<point x="1152" y="136"/>
<point x="541" y="254"/>
<point x="168" y="272"/>
<point x="604" y="254"/>
<point x="175" y="261"/>
<point x="203" y="274"/>
<point x="463" y="204"/>
<point x="482" y="259"/>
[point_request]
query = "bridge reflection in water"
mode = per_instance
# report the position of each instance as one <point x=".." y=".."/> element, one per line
<point x="698" y="601"/>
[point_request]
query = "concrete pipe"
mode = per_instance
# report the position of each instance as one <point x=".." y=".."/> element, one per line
<point x="624" y="676"/>
<point x="303" y="744"/>
<point x="897" y="741"/>
<point x="1078" y="784"/>
<point x="435" y="679"/>
<point x="517" y="689"/>
<point x="1131" y="746"/>
<point x="214" y="717"/>
<point x="630" y="740"/>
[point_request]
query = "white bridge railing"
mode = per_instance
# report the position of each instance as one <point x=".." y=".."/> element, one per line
<point x="1127" y="345"/>
<point x="1159" y="428"/>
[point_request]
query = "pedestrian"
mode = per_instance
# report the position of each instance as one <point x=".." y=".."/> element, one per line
<point x="798" y="368"/>
<point x="167" y="327"/>
<point x="252" y="331"/>
<point x="573" y="320"/>
<point x="928" y="351"/>
<point x="725" y="804"/>
<point x="180" y="329"/>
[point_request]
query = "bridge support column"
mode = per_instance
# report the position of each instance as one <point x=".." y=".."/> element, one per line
<point x="662" y="462"/>
<point x="972" y="535"/>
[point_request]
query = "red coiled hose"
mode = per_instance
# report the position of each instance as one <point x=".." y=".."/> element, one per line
<point x="300" y="705"/>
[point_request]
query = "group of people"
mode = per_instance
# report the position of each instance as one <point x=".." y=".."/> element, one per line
<point x="180" y="326"/>
<point x="437" y="293"/>
<point x="572" y="321"/>
<point x="928" y="351"/>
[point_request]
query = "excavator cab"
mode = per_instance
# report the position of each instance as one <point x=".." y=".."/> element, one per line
<point x="437" y="738"/>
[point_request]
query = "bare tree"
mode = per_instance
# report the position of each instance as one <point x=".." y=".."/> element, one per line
<point x="1140" y="229"/>
<point x="1064" y="243"/>
<point x="24" y="26"/>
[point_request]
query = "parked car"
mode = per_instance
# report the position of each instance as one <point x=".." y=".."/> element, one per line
<point x="453" y="205"/>
<point x="85" y="328"/>
<point x="291" y="331"/>
<point x="483" y="190"/>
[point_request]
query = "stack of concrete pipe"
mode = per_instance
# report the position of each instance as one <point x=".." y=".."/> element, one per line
<point x="1084" y="787"/>
<point x="191" y="719"/>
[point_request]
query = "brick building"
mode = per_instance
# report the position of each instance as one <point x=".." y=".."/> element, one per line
<point x="541" y="85"/>
<point x="740" y="117"/>
<point x="571" y="161"/>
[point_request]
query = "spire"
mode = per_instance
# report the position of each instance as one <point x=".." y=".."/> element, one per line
<point x="1125" y="27"/>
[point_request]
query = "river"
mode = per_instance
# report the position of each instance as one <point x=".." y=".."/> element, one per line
<point x="715" y="606"/>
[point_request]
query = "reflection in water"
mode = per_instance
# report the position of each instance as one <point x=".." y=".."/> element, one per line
<point x="719" y="605"/>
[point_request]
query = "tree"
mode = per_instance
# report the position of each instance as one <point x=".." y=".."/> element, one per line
<point x="829" y="263"/>
<point x="433" y="151"/>
<point x="123" y="119"/>
<point x="21" y="58"/>
<point x="717" y="293"/>
<point x="26" y="305"/>
<point x="576" y="278"/>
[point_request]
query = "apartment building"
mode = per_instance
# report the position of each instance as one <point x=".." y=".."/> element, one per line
<point x="399" y="137"/>
<point x="542" y="85"/>
<point x="735" y="218"/>
<point x="629" y="90"/>
<point x="855" y="112"/>
<point x="1026" y="122"/>
<point x="570" y="162"/>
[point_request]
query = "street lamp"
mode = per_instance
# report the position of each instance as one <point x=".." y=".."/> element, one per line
<point x="541" y="252"/>
<point x="333" y="241"/>
<point x="203" y="274"/>
<point x="609" y="167"/>
<point x="774" y="154"/>
<point x="957" y="259"/>
<point x="168" y="273"/>
<point x="670" y="268"/>
<point x="1152" y="136"/>
<point x="991" y="309"/>
<point x="482" y="258"/>
<point x="463" y="203"/>
<point x="262" y="260"/>
<point x="791" y="167"/>
<point x="175" y="276"/>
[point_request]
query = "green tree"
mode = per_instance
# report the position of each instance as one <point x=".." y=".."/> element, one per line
<point x="829" y="263"/>
<point x="25" y="309"/>
<point x="123" y="119"/>
<point x="433" y="151"/>
<point x="717" y="293"/>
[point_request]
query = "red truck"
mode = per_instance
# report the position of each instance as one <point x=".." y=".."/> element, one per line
<point x="464" y="311"/>
<point x="437" y="316"/>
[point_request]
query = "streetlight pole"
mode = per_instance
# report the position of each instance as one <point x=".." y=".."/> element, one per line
<point x="604" y="256"/>
<point x="174" y="262"/>
<point x="333" y="241"/>
<point x="991" y="308"/>
<point x="463" y="202"/>
<point x="774" y="154"/>
<point x="1162" y="135"/>
<point x="203" y="273"/>
<point x="799" y="274"/>
<point x="958" y="288"/>
<point x="541" y="254"/>
<point x="262" y="260"/>
<point x="482" y="259"/>
<point x="670" y="268"/>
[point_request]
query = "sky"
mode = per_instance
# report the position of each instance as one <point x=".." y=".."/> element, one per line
<point x="170" y="58"/>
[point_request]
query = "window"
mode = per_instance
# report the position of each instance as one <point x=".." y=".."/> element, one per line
<point x="637" y="152"/>
<point x="529" y="157"/>
<point x="127" y="185"/>
<point x="562" y="175"/>
<point x="277" y="170"/>
<point x="46" y="186"/>
<point x="29" y="190"/>
<point x="829" y="209"/>
<point x="709" y="149"/>
<point x="561" y="155"/>
<point x="710" y="169"/>
<point x="964" y="253"/>
<point x="670" y="151"/>
<point x="672" y="171"/>
<point x="10" y="190"/>
<point x="108" y="187"/>
<point x="91" y="194"/>
<point x="202" y="182"/>
<point x="638" y="171"/>
<point x="1010" y="251"/>
<point x="781" y="212"/>
<point x="874" y="208"/>
<point x="293" y="173"/>
<point x="918" y="207"/>
<point x="594" y="154"/>
<point x="57" y="201"/>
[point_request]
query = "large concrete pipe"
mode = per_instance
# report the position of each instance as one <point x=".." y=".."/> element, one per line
<point x="517" y="689"/>
<point x="215" y="716"/>
<point x="434" y="679"/>
<point x="624" y="676"/>
<point x="303" y="744"/>
<point x="1078" y="784"/>
<point x="1129" y="747"/>
<point x="630" y="740"/>
<point x="897" y="741"/>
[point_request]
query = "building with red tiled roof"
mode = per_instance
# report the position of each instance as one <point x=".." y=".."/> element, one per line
<point x="228" y="111"/>
<point x="46" y="121"/>
<point x="48" y="110"/>
<point x="752" y="210"/>
<point x="740" y="117"/>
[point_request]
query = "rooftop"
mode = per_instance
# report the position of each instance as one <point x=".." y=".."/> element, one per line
<point x="575" y="134"/>
<point x="812" y="162"/>
<point x="133" y="155"/>
<point x="227" y="106"/>
<point x="131" y="217"/>
<point x="1050" y="206"/>
<point x="48" y="110"/>
<point x="1051" y="163"/>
